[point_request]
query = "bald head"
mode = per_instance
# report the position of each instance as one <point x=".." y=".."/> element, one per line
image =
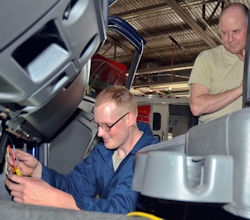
<point x="233" y="25"/>
<point x="238" y="6"/>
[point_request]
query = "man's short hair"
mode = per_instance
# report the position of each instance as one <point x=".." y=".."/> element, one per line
<point x="241" y="6"/>
<point x="120" y="95"/>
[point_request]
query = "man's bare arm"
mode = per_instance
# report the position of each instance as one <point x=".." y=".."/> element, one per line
<point x="201" y="102"/>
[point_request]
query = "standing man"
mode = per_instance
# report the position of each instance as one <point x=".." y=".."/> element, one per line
<point x="106" y="172"/>
<point x="216" y="78"/>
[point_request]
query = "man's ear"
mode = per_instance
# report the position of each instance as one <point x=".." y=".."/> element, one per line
<point x="131" y="118"/>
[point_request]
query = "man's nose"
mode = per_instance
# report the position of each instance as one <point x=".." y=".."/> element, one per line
<point x="100" y="131"/>
<point x="231" y="36"/>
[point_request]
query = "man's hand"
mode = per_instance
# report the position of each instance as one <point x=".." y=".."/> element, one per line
<point x="28" y="190"/>
<point x="30" y="166"/>
<point x="242" y="55"/>
<point x="31" y="190"/>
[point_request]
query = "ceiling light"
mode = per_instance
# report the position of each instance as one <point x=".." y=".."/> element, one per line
<point x="171" y="86"/>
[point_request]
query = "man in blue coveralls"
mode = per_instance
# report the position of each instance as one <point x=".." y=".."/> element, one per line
<point x="107" y="171"/>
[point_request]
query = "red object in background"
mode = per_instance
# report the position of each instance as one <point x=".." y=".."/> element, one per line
<point x="144" y="114"/>
<point x="121" y="66"/>
<point x="105" y="72"/>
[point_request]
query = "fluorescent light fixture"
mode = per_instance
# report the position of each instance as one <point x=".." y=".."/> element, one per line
<point x="171" y="86"/>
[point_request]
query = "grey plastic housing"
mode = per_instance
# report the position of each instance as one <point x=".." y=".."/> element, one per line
<point x="73" y="144"/>
<point x="208" y="164"/>
<point x="45" y="54"/>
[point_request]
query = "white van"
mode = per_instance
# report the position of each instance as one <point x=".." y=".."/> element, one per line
<point x="167" y="116"/>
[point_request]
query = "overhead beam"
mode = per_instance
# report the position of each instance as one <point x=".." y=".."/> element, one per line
<point x="156" y="8"/>
<point x="213" y="13"/>
<point x="115" y="42"/>
<point x="163" y="69"/>
<point x="165" y="30"/>
<point x="169" y="29"/>
<point x="148" y="53"/>
<point x="227" y="2"/>
<point x="184" y="15"/>
<point x="107" y="50"/>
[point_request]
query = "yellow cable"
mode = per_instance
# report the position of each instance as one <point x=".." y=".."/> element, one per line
<point x="17" y="171"/>
<point x="15" y="168"/>
<point x="143" y="214"/>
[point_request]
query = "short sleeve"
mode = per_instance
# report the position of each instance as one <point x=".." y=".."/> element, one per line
<point x="202" y="71"/>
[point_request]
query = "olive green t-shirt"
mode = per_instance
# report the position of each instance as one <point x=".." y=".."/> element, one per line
<point x="116" y="160"/>
<point x="219" y="71"/>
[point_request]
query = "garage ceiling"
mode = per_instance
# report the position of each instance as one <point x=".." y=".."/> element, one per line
<point x="175" y="33"/>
